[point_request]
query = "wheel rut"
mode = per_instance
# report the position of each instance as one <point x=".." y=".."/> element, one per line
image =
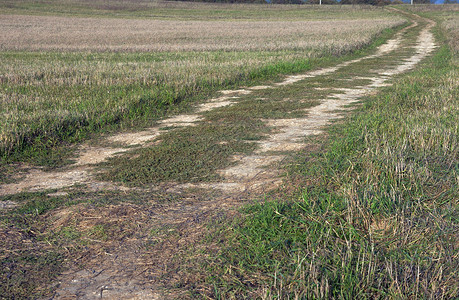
<point x="127" y="270"/>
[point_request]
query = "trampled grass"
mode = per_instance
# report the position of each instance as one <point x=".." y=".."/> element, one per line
<point x="52" y="96"/>
<point x="377" y="214"/>
<point x="196" y="153"/>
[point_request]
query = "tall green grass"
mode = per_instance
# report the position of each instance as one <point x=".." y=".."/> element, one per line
<point x="377" y="214"/>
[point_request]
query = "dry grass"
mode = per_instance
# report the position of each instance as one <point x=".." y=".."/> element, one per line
<point x="433" y="8"/>
<point x="447" y="15"/>
<point x="452" y="27"/>
<point x="96" y="34"/>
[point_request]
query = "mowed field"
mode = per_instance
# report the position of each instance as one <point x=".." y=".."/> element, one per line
<point x="66" y="74"/>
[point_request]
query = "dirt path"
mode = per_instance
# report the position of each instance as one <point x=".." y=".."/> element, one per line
<point x="127" y="270"/>
<point x="35" y="179"/>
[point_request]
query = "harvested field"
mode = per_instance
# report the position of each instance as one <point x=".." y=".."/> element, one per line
<point x="39" y="33"/>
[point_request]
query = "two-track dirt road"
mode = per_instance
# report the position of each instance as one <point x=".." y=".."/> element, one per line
<point x="127" y="270"/>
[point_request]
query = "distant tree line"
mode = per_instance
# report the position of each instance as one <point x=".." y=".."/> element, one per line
<point x="368" y="2"/>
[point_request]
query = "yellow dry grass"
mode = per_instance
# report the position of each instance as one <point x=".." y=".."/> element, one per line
<point x="452" y="26"/>
<point x="44" y="33"/>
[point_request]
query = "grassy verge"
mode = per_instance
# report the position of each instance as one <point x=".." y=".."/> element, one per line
<point x="377" y="215"/>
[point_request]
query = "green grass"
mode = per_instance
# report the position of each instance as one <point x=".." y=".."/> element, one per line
<point x="191" y="154"/>
<point x="195" y="154"/>
<point x="377" y="213"/>
<point x="91" y="103"/>
<point x="47" y="116"/>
